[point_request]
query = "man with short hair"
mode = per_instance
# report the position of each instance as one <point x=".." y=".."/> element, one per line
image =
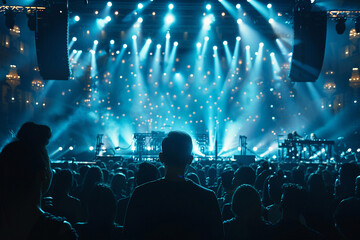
<point x="173" y="207"/>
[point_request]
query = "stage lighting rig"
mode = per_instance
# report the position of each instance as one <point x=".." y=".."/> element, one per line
<point x="340" y="25"/>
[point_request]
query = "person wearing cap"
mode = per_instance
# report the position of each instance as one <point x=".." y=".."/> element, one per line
<point x="173" y="207"/>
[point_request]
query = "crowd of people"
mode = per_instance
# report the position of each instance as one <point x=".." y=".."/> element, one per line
<point x="173" y="198"/>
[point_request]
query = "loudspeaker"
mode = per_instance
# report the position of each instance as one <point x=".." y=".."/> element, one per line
<point x="52" y="40"/>
<point x="309" y="44"/>
<point x="245" y="159"/>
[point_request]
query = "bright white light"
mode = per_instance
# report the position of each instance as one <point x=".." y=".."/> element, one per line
<point x="255" y="149"/>
<point x="270" y="149"/>
<point x="112" y="41"/>
<point x="198" y="45"/>
<point x="77" y="18"/>
<point x="148" y="148"/>
<point x="358" y="150"/>
<point x="215" y="48"/>
<point x="171" y="6"/>
<point x="349" y="150"/>
<point x="169" y="19"/>
<point x="238" y="6"/>
<point x="91" y="148"/>
<point x="148" y="41"/>
<point x="176" y="44"/>
<point x="71" y="148"/>
<point x="206" y="38"/>
<point x="140" y="6"/>
<point x="269" y="5"/>
<point x="239" y="149"/>
<point x="208" y="20"/>
<point x="238" y="38"/>
<point x="92" y="51"/>
<point x="134" y="37"/>
<point x="239" y="21"/>
<point x="211" y="148"/>
<point x="225" y="43"/>
<point x="140" y="20"/>
<point x="261" y="44"/>
<point x="274" y="156"/>
<point x="208" y="6"/>
<point x="117" y="51"/>
<point x="60" y="148"/>
<point x="271" y="20"/>
<point x="125" y="45"/>
<point x="167" y="36"/>
<point x="247" y="47"/>
<point x="312" y="1"/>
<point x="108" y="19"/>
<point x="158" y="46"/>
<point x="74" y="39"/>
<point x="109" y="4"/>
<point x="133" y="148"/>
<point x="74" y="51"/>
<point x="96" y="42"/>
<point x="272" y="54"/>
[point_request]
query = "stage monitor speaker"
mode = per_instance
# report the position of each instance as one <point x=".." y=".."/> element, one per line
<point x="52" y="40"/>
<point x="309" y="44"/>
<point x="244" y="159"/>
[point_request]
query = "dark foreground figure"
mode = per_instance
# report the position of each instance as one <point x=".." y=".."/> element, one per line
<point x="25" y="176"/>
<point x="173" y="207"/>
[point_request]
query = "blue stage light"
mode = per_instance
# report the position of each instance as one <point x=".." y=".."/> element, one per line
<point x="215" y="48"/>
<point x="239" y="21"/>
<point x="271" y="20"/>
<point x="208" y="6"/>
<point x="269" y="5"/>
<point x="148" y="41"/>
<point x="171" y="6"/>
<point x="96" y="42"/>
<point x="167" y="36"/>
<point x="176" y="43"/>
<point x="125" y="45"/>
<point x="198" y="45"/>
<point x="77" y="18"/>
<point x="74" y="51"/>
<point x="140" y="20"/>
<point x="238" y="6"/>
<point x="112" y="41"/>
<point x="261" y="44"/>
<point x="109" y="4"/>
<point x="206" y="38"/>
<point x="140" y="6"/>
<point x="238" y="38"/>
<point x="158" y="46"/>
<point x="225" y="43"/>
<point x="134" y="37"/>
<point x="74" y="39"/>
<point x="108" y="19"/>
<point x="169" y="19"/>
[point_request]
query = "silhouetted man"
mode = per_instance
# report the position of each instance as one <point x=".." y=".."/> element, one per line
<point x="173" y="207"/>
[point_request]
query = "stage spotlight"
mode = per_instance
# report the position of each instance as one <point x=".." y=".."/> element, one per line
<point x="239" y="149"/>
<point x="269" y="5"/>
<point x="109" y="4"/>
<point x="238" y="38"/>
<point x="261" y="44"/>
<point x="96" y="42"/>
<point x="134" y="37"/>
<point x="198" y="45"/>
<point x="140" y="6"/>
<point x="74" y="51"/>
<point x="272" y="54"/>
<point x="60" y="148"/>
<point x="340" y="25"/>
<point x="208" y="20"/>
<point x="77" y="18"/>
<point x="357" y="25"/>
<point x="225" y="43"/>
<point x="125" y="45"/>
<point x="91" y="148"/>
<point x="206" y="38"/>
<point x="108" y="19"/>
<point x="171" y="6"/>
<point x="214" y="48"/>
<point x="117" y="52"/>
<point x="148" y="41"/>
<point x="238" y="6"/>
<point x="254" y="148"/>
<point x="176" y="43"/>
<point x="112" y="41"/>
<point x="169" y="19"/>
<point x="140" y="20"/>
<point x="92" y="51"/>
<point x="167" y="35"/>
<point x="239" y="21"/>
<point x="208" y="6"/>
<point x="74" y="39"/>
<point x="158" y="46"/>
<point x="71" y="148"/>
<point x="247" y="47"/>
<point x="9" y="19"/>
<point x="271" y="20"/>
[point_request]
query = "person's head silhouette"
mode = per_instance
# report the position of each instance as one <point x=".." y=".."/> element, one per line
<point x="176" y="153"/>
<point x="246" y="203"/>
